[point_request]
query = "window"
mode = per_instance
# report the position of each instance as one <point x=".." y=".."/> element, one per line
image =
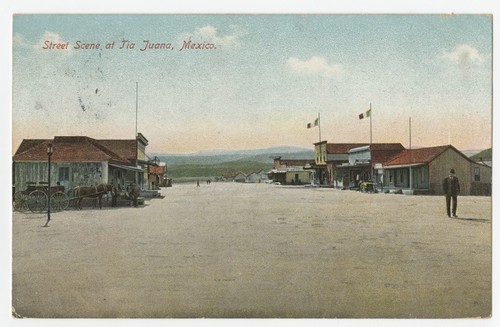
<point x="63" y="174"/>
<point x="477" y="174"/>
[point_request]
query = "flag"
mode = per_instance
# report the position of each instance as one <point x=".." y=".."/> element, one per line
<point x="314" y="124"/>
<point x="366" y="114"/>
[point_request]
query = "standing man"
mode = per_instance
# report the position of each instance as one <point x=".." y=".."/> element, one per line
<point x="451" y="188"/>
<point x="134" y="192"/>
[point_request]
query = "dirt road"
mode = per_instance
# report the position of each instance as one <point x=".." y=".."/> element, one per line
<point x="257" y="250"/>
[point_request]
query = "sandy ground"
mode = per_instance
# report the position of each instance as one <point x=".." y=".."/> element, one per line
<point x="257" y="250"/>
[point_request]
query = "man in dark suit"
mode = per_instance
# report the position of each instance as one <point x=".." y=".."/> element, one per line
<point x="451" y="188"/>
<point x="134" y="194"/>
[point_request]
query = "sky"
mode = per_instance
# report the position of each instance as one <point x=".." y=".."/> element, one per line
<point x="265" y="77"/>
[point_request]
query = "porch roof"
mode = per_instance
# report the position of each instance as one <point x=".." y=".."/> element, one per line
<point x="420" y="156"/>
<point x="405" y="165"/>
<point x="359" y="165"/>
<point x="131" y="168"/>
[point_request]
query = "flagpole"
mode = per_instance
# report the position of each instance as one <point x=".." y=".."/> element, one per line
<point x="371" y="114"/>
<point x="409" y="122"/>
<point x="411" y="161"/>
<point x="136" y="104"/>
<point x="319" y="126"/>
<point x="371" y="149"/>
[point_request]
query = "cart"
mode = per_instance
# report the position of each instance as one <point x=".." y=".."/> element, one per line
<point x="36" y="198"/>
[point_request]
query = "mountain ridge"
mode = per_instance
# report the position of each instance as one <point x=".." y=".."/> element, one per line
<point x="216" y="152"/>
<point x="211" y="163"/>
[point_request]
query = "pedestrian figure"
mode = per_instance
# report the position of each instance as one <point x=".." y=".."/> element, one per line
<point x="198" y="183"/>
<point x="451" y="188"/>
<point x="114" y="196"/>
<point x="134" y="194"/>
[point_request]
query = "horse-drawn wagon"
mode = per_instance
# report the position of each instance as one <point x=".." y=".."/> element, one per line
<point x="36" y="196"/>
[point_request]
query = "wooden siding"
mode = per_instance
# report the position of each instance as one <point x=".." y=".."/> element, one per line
<point x="320" y="153"/>
<point x="87" y="173"/>
<point x="121" y="178"/>
<point x="483" y="186"/>
<point x="298" y="177"/>
<point x="363" y="155"/>
<point x="464" y="168"/>
<point x="399" y="178"/>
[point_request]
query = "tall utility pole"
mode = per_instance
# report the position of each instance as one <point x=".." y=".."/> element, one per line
<point x="50" y="150"/>
<point x="319" y="126"/>
<point x="411" y="161"/>
<point x="371" y="114"/>
<point x="136" y="104"/>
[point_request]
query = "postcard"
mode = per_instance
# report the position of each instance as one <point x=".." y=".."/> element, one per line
<point x="299" y="165"/>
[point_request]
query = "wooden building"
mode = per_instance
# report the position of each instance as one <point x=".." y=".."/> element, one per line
<point x="320" y="160"/>
<point x="423" y="170"/>
<point x="330" y="155"/>
<point x="240" y="177"/>
<point x="157" y="175"/>
<point x="292" y="171"/>
<point x="362" y="163"/>
<point x="78" y="160"/>
<point x="257" y="177"/>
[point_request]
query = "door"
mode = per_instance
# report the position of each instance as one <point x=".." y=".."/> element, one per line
<point x="63" y="177"/>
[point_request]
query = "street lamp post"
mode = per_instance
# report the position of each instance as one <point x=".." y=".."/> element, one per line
<point x="50" y="150"/>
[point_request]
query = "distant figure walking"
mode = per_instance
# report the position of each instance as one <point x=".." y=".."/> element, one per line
<point x="451" y="188"/>
<point x="198" y="183"/>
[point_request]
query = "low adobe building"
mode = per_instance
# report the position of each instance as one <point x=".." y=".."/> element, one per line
<point x="292" y="171"/>
<point x="422" y="171"/>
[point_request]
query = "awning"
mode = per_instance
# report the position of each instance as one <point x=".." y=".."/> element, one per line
<point x="354" y="166"/>
<point x="147" y="162"/>
<point x="140" y="170"/>
<point x="403" y="166"/>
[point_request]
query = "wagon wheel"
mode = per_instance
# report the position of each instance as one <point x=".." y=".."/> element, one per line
<point x="20" y="202"/>
<point x="59" y="201"/>
<point x="37" y="201"/>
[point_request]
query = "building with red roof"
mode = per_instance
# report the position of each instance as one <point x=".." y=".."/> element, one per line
<point x="422" y="170"/>
<point x="327" y="156"/>
<point x="349" y="163"/>
<point x="80" y="160"/>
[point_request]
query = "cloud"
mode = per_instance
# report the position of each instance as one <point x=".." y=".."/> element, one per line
<point x="211" y="34"/>
<point x="315" y="66"/>
<point x="18" y="40"/>
<point x="463" y="55"/>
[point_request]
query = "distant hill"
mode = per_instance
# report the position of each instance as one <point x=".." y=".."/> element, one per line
<point x="218" y="163"/>
<point x="485" y="155"/>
